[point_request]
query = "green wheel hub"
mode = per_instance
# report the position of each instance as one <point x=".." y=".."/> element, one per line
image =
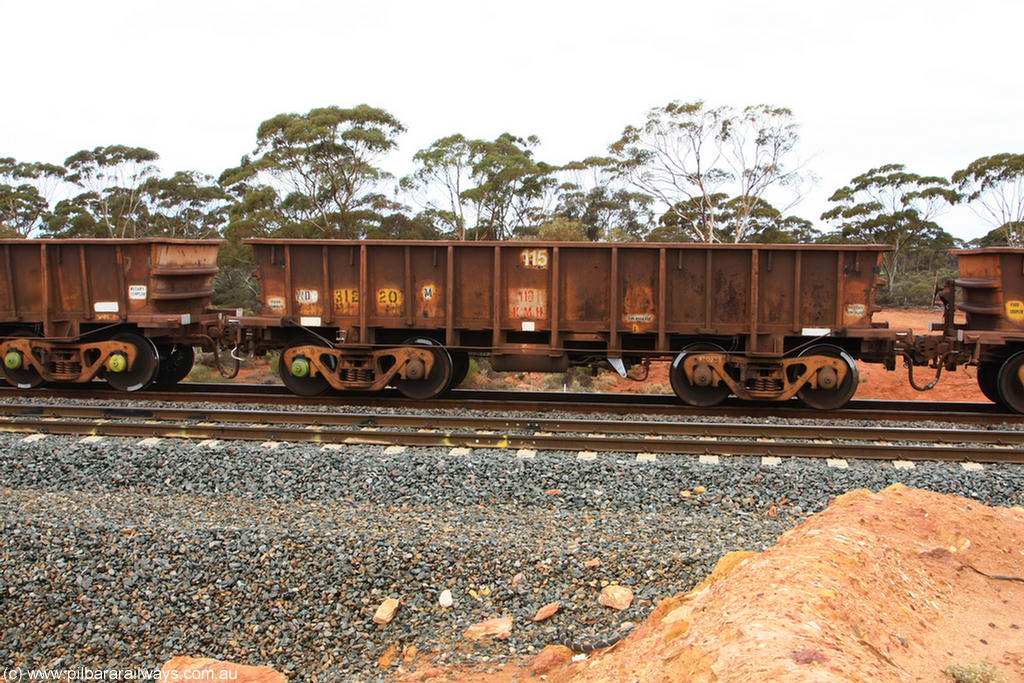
<point x="12" y="361"/>
<point x="300" y="367"/>
<point x="117" y="363"/>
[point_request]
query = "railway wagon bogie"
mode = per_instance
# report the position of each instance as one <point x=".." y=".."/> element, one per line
<point x="734" y="319"/>
<point x="127" y="311"/>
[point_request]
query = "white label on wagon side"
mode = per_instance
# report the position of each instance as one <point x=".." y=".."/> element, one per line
<point x="106" y="307"/>
<point x="529" y="326"/>
<point x="310" y="321"/>
<point x="186" y="318"/>
<point x="307" y="296"/>
<point x="137" y="292"/>
<point x="816" y="331"/>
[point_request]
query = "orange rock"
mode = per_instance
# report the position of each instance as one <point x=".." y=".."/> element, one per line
<point x="547" y="611"/>
<point x="499" y="628"/>
<point x="590" y="564"/>
<point x="388" y="658"/>
<point x="180" y="669"/>
<point x="616" y="596"/>
<point x="409" y="654"/>
<point x="386" y="612"/>
<point x="550" y="658"/>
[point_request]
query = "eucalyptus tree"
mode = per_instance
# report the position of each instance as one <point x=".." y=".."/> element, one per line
<point x="324" y="167"/>
<point x="994" y="189"/>
<point x="690" y="155"/>
<point x="889" y="205"/>
<point x="482" y="189"/>
<point x="604" y="207"/>
<point x="442" y="175"/>
<point x="24" y="200"/>
<point x="111" y="202"/>
<point x="189" y="204"/>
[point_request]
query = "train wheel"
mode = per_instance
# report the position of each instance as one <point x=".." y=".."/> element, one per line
<point x="296" y="376"/>
<point x="143" y="370"/>
<point x="1011" y="382"/>
<point x="176" y="361"/>
<point x="830" y="394"/>
<point x="14" y="368"/>
<point x="988" y="381"/>
<point x="460" y="368"/>
<point x="697" y="394"/>
<point x="434" y="383"/>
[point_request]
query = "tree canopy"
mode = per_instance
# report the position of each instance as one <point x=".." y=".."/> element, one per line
<point x="994" y="188"/>
<point x="690" y="157"/>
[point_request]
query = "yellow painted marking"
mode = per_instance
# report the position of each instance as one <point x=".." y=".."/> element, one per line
<point x="708" y="460"/>
<point x="394" y="450"/>
<point x="1015" y="311"/>
<point x="389" y="301"/>
<point x="534" y="258"/>
<point x="526" y="453"/>
<point x="770" y="460"/>
<point x="346" y="301"/>
<point x="34" y="437"/>
<point x="838" y="463"/>
<point x="150" y="442"/>
<point x="646" y="457"/>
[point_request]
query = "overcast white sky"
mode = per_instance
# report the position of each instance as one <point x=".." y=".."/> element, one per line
<point x="933" y="85"/>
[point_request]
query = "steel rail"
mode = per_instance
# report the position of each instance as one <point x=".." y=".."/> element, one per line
<point x="901" y="411"/>
<point x="591" y="428"/>
<point x="312" y="433"/>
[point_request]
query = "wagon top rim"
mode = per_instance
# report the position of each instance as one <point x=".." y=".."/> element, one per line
<point x="575" y="245"/>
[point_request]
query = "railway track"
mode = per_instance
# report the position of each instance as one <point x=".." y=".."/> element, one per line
<point x="520" y="434"/>
<point x="654" y="404"/>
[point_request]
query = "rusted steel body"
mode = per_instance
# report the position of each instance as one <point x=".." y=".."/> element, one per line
<point x="546" y="306"/>
<point x="62" y="301"/>
<point x="991" y="285"/>
<point x="991" y="295"/>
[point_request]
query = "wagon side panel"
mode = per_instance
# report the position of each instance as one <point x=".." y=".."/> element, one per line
<point x="584" y="289"/>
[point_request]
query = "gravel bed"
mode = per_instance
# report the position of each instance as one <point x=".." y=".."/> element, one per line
<point x="117" y="555"/>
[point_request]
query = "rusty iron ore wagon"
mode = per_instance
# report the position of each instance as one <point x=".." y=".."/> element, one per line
<point x="762" y="322"/>
<point x="991" y="285"/>
<point x="128" y="311"/>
